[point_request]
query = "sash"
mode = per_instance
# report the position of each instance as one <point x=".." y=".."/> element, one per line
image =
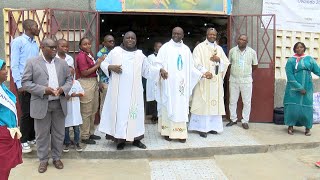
<point x="7" y="102"/>
<point x="134" y="111"/>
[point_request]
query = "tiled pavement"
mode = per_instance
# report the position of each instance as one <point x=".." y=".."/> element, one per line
<point x="234" y="136"/>
<point x="164" y="160"/>
<point x="205" y="169"/>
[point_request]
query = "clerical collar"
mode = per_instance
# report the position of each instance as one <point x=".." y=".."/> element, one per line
<point x="211" y="44"/>
<point x="129" y="50"/>
<point x="179" y="44"/>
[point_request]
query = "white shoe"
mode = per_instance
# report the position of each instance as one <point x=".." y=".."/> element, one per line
<point x="26" y="148"/>
<point x="33" y="142"/>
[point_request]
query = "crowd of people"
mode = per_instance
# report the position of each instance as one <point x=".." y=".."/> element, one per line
<point x="179" y="82"/>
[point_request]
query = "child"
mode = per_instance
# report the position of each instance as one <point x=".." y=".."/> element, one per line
<point x="87" y="68"/>
<point x="73" y="118"/>
<point x="63" y="48"/>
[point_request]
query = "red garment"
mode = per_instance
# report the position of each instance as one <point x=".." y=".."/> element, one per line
<point x="84" y="62"/>
<point x="10" y="150"/>
<point x="299" y="57"/>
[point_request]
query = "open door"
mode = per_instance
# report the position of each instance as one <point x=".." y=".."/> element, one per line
<point x="262" y="40"/>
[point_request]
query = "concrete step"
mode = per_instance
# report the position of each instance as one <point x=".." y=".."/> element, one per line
<point x="260" y="138"/>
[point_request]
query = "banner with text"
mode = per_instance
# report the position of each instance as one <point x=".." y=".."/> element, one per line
<point x="293" y="15"/>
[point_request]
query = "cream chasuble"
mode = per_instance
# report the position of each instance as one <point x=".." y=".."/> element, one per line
<point x="122" y="116"/>
<point x="208" y="96"/>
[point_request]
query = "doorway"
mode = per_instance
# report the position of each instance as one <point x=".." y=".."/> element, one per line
<point x="150" y="28"/>
<point x="153" y="28"/>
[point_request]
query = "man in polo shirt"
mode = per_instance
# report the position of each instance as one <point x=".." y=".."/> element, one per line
<point x="243" y="61"/>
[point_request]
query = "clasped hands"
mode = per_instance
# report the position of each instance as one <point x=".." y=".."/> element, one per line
<point x="53" y="92"/>
<point x="207" y="75"/>
<point x="214" y="58"/>
<point x="303" y="92"/>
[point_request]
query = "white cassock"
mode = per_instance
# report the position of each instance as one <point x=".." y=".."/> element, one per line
<point x="174" y="93"/>
<point x="74" y="117"/>
<point x="122" y="116"/>
<point x="151" y="85"/>
<point x="207" y="105"/>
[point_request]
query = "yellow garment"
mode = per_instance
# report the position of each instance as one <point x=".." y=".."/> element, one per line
<point x="14" y="131"/>
<point x="208" y="95"/>
<point x="175" y="130"/>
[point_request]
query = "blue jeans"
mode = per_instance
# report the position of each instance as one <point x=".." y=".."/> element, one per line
<point x="76" y="131"/>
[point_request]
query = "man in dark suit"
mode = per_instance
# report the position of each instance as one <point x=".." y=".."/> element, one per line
<point x="48" y="79"/>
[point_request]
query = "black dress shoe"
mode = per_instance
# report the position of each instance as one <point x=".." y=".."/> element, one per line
<point x="88" y="141"/>
<point x="94" y="137"/>
<point x="213" y="132"/>
<point x="182" y="140"/>
<point x="139" y="144"/>
<point x="120" y="146"/>
<point x="231" y="123"/>
<point x="167" y="138"/>
<point x="154" y="120"/>
<point x="203" y="134"/>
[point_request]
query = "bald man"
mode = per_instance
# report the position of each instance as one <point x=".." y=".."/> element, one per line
<point x="122" y="117"/>
<point x="207" y="105"/>
<point x="173" y="99"/>
<point x="48" y="79"/>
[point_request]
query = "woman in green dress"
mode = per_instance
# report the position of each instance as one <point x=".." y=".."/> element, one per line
<point x="298" y="98"/>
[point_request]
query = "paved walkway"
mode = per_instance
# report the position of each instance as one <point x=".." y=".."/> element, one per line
<point x="265" y="151"/>
<point x="279" y="165"/>
<point x="260" y="138"/>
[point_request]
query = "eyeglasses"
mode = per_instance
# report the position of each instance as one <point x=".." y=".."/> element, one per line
<point x="51" y="47"/>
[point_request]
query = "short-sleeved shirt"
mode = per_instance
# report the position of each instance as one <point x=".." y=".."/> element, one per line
<point x="68" y="59"/>
<point x="241" y="68"/>
<point x="84" y="62"/>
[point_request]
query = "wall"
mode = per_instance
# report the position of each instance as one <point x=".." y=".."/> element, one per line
<point x="284" y="43"/>
<point x="40" y="4"/>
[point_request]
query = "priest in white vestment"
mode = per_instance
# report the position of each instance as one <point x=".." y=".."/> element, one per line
<point x="173" y="94"/>
<point x="152" y="85"/>
<point x="207" y="105"/>
<point x="122" y="117"/>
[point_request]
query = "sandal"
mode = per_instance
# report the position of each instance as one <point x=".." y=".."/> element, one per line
<point x="307" y="133"/>
<point x="290" y="130"/>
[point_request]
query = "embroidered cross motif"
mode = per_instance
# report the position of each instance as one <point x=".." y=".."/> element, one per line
<point x="133" y="111"/>
<point x="181" y="87"/>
